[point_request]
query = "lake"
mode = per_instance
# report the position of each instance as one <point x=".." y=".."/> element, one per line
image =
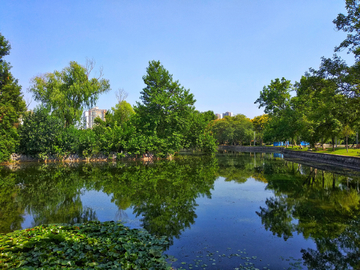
<point x="229" y="211"/>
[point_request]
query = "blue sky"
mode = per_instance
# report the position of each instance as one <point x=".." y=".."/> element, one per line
<point x="225" y="52"/>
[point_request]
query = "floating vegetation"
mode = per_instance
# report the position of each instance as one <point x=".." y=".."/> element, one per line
<point x="105" y="245"/>
<point x="216" y="260"/>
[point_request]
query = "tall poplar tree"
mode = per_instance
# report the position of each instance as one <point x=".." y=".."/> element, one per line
<point x="12" y="105"/>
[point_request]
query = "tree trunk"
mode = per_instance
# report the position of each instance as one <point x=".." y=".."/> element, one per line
<point x="347" y="150"/>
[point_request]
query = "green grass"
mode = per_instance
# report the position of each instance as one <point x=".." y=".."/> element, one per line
<point x="341" y="151"/>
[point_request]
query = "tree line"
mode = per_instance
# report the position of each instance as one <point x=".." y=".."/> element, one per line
<point x="163" y="122"/>
<point x="324" y="105"/>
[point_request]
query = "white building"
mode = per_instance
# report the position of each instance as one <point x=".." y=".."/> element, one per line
<point x="91" y="114"/>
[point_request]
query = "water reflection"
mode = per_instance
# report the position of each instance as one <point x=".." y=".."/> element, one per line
<point x="163" y="193"/>
<point x="320" y="205"/>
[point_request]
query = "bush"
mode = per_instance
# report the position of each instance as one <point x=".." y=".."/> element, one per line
<point x="39" y="133"/>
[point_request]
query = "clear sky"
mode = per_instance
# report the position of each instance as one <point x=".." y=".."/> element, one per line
<point x="225" y="52"/>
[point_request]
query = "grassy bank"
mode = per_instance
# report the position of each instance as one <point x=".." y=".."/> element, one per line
<point x="341" y="151"/>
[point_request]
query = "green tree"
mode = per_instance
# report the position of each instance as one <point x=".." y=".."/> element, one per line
<point x="345" y="96"/>
<point x="121" y="113"/>
<point x="165" y="109"/>
<point x="12" y="105"/>
<point x="233" y="130"/>
<point x="276" y="100"/>
<point x="350" y="24"/>
<point x="346" y="132"/>
<point x="321" y="105"/>
<point x="40" y="133"/>
<point x="275" y="96"/>
<point x="201" y="136"/>
<point x="66" y="93"/>
<point x="259" y="123"/>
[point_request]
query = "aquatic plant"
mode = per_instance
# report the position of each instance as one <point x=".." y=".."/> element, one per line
<point x="98" y="245"/>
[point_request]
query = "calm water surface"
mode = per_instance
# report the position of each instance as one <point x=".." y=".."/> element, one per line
<point x="231" y="211"/>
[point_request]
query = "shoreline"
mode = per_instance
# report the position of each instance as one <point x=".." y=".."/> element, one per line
<point x="296" y="156"/>
<point x="329" y="159"/>
<point x="75" y="158"/>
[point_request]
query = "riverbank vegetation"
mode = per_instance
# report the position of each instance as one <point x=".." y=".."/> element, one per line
<point x="162" y="123"/>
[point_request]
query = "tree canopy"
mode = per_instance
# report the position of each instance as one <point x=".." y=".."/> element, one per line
<point x="165" y="105"/>
<point x="275" y="96"/>
<point x="12" y="105"/>
<point x="233" y="130"/>
<point x="350" y="23"/>
<point x="66" y="93"/>
<point x="121" y="113"/>
<point x="165" y="110"/>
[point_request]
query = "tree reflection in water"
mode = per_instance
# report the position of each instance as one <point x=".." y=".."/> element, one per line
<point x="163" y="193"/>
<point x="320" y="205"/>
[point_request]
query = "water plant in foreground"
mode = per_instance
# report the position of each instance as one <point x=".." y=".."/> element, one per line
<point x="94" y="244"/>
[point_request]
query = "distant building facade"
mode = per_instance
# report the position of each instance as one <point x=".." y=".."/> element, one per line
<point x="222" y="115"/>
<point x="90" y="115"/>
<point x="228" y="114"/>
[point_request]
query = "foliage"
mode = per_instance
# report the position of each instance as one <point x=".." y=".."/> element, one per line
<point x="66" y="93"/>
<point x="164" y="123"/>
<point x="12" y="105"/>
<point x="275" y="96"/>
<point x="350" y="23"/>
<point x="347" y="131"/>
<point x="42" y="134"/>
<point x="283" y="119"/>
<point x="165" y="109"/>
<point x="95" y="245"/>
<point x="122" y="112"/>
<point x="233" y="130"/>
<point x="321" y="106"/>
<point x="259" y="123"/>
<point x="118" y="115"/>
<point x="326" y="101"/>
<point x="201" y="136"/>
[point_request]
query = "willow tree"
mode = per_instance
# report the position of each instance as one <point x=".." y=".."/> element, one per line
<point x="66" y="93"/>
